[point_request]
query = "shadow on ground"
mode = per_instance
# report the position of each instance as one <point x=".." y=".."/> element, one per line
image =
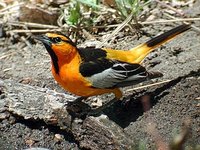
<point x="132" y="107"/>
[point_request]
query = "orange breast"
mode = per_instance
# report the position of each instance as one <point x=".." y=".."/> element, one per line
<point x="71" y="80"/>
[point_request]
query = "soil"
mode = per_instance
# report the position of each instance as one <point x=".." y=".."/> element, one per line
<point x="32" y="114"/>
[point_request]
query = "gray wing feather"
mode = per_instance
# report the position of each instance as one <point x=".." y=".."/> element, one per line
<point x="119" y="75"/>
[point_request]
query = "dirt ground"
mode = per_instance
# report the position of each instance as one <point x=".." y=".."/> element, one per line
<point x="32" y="115"/>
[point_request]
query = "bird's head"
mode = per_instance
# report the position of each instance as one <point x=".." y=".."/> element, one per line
<point x="57" y="43"/>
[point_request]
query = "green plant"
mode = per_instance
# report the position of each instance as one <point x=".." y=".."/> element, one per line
<point x="79" y="14"/>
<point x="77" y="9"/>
<point x="126" y="7"/>
<point x="74" y="16"/>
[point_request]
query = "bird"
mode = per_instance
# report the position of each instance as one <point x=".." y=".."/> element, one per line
<point x="93" y="71"/>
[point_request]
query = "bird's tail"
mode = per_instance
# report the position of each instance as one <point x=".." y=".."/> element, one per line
<point x="142" y="50"/>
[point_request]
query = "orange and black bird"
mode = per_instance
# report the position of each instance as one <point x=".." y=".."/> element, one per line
<point x="93" y="71"/>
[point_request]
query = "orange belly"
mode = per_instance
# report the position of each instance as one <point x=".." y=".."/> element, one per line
<point x="71" y="80"/>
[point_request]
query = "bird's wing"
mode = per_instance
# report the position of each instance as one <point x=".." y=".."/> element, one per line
<point x="105" y="73"/>
<point x="91" y="54"/>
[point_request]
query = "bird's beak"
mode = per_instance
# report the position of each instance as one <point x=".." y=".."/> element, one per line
<point x="44" y="39"/>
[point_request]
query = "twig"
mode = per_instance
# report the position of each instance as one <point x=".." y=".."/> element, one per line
<point x="35" y="25"/>
<point x="155" y="22"/>
<point x="193" y="26"/>
<point x="7" y="55"/>
<point x="27" y="42"/>
<point x="171" y="20"/>
<point x="178" y="12"/>
<point x="7" y="69"/>
<point x="88" y="35"/>
<point x="169" y="7"/>
<point x="2" y="4"/>
<point x="56" y="28"/>
<point x="10" y="7"/>
<point x="34" y="31"/>
<point x="6" y="13"/>
<point x="198" y="98"/>
<point x="149" y="85"/>
<point x="120" y="27"/>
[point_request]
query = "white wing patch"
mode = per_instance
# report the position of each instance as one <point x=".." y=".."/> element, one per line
<point x="119" y="75"/>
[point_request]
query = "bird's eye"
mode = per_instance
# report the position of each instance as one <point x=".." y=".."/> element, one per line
<point x="56" y="40"/>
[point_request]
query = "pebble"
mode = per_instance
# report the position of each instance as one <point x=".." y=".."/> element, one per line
<point x="58" y="137"/>
<point x="4" y="115"/>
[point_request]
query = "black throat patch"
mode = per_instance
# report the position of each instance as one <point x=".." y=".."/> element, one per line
<point x="54" y="58"/>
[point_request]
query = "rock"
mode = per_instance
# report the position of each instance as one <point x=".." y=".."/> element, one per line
<point x="33" y="102"/>
<point x="100" y="133"/>
<point x="33" y="14"/>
